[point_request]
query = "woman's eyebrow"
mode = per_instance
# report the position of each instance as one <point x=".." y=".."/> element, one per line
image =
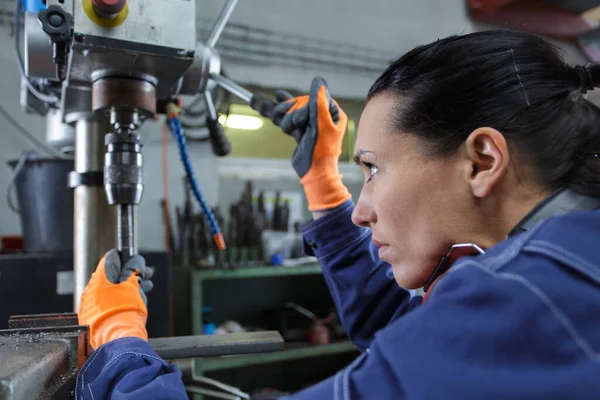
<point x="358" y="155"/>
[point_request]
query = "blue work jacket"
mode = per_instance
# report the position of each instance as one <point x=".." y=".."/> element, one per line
<point x="518" y="322"/>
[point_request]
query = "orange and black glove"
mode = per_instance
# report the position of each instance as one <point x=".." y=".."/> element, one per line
<point x="113" y="303"/>
<point x="318" y="124"/>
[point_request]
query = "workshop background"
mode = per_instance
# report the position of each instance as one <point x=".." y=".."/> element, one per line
<point x="349" y="42"/>
<point x="269" y="45"/>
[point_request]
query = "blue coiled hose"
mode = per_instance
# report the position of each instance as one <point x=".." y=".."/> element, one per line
<point x="177" y="130"/>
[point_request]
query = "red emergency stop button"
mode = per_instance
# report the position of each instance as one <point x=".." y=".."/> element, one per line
<point x="109" y="7"/>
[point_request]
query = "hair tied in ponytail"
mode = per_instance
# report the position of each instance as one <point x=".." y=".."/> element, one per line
<point x="586" y="78"/>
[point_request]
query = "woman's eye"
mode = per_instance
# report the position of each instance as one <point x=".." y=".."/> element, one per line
<point x="372" y="170"/>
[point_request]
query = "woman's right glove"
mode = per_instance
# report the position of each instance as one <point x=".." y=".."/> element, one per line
<point x="318" y="124"/>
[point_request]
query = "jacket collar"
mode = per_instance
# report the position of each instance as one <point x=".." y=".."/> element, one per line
<point x="560" y="202"/>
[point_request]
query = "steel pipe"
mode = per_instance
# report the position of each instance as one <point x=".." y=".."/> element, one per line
<point x="210" y="106"/>
<point x="224" y="16"/>
<point x="232" y="87"/>
<point x="217" y="345"/>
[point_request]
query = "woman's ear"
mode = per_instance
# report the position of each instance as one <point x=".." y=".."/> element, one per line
<point x="489" y="158"/>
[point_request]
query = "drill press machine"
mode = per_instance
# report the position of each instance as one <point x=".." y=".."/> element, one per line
<point x="107" y="65"/>
<point x="113" y="62"/>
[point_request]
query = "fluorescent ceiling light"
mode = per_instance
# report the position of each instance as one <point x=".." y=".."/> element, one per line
<point x="244" y="122"/>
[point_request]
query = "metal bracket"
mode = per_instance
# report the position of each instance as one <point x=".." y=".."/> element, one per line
<point x="88" y="178"/>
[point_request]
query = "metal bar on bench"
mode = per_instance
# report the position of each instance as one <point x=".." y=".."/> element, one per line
<point x="217" y="345"/>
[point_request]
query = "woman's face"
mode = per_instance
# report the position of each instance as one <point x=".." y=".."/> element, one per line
<point x="416" y="205"/>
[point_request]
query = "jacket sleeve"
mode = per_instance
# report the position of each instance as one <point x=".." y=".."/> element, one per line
<point x="480" y="335"/>
<point x="362" y="287"/>
<point x="128" y="368"/>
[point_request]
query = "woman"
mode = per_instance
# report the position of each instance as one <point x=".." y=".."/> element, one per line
<point x="471" y="144"/>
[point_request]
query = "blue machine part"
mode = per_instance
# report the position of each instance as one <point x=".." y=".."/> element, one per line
<point x="34" y="6"/>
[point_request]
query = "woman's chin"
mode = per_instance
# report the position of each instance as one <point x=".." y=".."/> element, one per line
<point x="407" y="277"/>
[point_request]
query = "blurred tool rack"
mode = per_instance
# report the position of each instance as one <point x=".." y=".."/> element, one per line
<point x="251" y="290"/>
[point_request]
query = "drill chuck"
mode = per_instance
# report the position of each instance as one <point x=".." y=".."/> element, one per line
<point x="123" y="168"/>
<point x="123" y="184"/>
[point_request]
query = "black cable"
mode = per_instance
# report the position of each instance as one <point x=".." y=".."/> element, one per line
<point x="16" y="49"/>
<point x="13" y="177"/>
<point x="30" y="138"/>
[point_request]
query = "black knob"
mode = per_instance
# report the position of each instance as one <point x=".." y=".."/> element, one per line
<point x="219" y="142"/>
<point x="56" y="22"/>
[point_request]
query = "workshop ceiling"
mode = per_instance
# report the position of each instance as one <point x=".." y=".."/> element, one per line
<point x="350" y="42"/>
<point x="389" y="25"/>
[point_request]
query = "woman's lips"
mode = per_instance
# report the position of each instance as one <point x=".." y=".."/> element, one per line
<point x="382" y="251"/>
<point x="382" y="248"/>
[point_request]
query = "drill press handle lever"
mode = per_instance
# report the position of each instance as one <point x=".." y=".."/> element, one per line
<point x="219" y="142"/>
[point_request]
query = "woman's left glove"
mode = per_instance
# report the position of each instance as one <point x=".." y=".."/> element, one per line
<point x="113" y="303"/>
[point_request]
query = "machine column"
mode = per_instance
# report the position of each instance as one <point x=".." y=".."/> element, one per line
<point x="95" y="220"/>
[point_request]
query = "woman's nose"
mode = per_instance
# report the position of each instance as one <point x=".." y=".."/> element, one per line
<point x="363" y="214"/>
